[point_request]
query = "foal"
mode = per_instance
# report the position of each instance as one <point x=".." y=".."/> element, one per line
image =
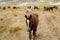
<point x="32" y="23"/>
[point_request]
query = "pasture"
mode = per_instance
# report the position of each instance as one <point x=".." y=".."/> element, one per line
<point x="13" y="26"/>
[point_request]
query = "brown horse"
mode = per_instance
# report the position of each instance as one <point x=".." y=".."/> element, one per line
<point x="50" y="8"/>
<point x="32" y="23"/>
<point x="46" y="8"/>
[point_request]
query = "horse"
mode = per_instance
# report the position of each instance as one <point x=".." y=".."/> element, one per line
<point x="32" y="24"/>
<point x="49" y="8"/>
<point x="46" y="8"/>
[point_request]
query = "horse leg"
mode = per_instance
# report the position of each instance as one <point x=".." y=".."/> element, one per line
<point x="30" y="35"/>
<point x="34" y="34"/>
<point x="52" y="9"/>
<point x="56" y="7"/>
<point x="48" y="9"/>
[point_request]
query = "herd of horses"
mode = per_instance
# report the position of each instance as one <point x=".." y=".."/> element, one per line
<point x="45" y="8"/>
<point x="14" y="7"/>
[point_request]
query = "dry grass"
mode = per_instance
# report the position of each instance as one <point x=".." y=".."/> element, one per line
<point x="13" y="27"/>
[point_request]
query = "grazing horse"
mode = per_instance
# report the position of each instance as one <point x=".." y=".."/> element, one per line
<point x="35" y="7"/>
<point x="49" y="8"/>
<point x="32" y="23"/>
<point x="46" y="9"/>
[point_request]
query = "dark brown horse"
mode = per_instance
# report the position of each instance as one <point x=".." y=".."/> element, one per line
<point x="32" y="23"/>
<point x="49" y="8"/>
<point x="46" y="8"/>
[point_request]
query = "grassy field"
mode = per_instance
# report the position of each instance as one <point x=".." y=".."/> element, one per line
<point x="13" y="26"/>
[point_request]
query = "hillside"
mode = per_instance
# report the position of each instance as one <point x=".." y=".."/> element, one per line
<point x="23" y="1"/>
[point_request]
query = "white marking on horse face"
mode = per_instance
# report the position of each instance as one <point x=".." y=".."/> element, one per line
<point x="28" y="25"/>
<point x="28" y="21"/>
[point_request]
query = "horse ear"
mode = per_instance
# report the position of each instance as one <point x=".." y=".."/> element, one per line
<point x="30" y="16"/>
<point x="25" y="16"/>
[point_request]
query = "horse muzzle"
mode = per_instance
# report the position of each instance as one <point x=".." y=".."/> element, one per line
<point x="28" y="30"/>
